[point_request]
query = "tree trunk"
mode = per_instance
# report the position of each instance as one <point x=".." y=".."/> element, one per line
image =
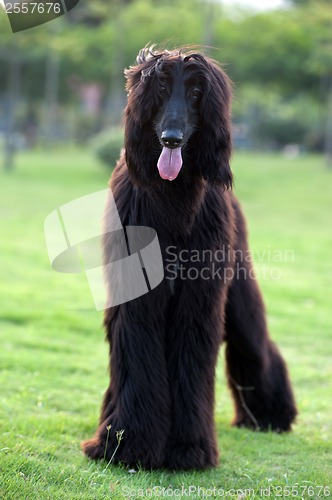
<point x="328" y="127"/>
<point x="12" y="92"/>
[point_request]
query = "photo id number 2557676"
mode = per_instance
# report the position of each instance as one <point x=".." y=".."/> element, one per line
<point x="299" y="491"/>
<point x="33" y="7"/>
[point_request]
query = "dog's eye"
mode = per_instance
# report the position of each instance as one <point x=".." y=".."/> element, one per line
<point x="196" y="94"/>
<point x="162" y="88"/>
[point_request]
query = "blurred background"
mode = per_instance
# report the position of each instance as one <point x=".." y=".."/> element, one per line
<point x="62" y="83"/>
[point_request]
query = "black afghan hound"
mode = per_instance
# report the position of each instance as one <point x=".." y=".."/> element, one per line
<point x="174" y="176"/>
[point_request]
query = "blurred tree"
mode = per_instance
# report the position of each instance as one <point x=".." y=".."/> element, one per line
<point x="317" y="18"/>
<point x="11" y="103"/>
<point x="277" y="57"/>
<point x="291" y="56"/>
<point x="285" y="53"/>
<point x="305" y="3"/>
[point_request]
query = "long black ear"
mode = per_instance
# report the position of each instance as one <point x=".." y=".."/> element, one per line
<point x="140" y="150"/>
<point x="214" y="145"/>
<point x="142" y="99"/>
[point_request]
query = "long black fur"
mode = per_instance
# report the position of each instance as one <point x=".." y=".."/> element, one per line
<point x="164" y="345"/>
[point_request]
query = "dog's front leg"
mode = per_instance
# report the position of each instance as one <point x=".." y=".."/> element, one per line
<point x="137" y="401"/>
<point x="192" y="344"/>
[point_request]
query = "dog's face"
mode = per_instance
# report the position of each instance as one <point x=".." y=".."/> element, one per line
<point x="179" y="107"/>
<point x="177" y="118"/>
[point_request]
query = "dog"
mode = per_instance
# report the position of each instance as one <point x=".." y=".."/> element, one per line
<point x="174" y="176"/>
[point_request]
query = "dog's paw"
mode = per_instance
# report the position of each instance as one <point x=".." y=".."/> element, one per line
<point x="276" y="423"/>
<point x="94" y="448"/>
<point x="131" y="454"/>
<point x="185" y="456"/>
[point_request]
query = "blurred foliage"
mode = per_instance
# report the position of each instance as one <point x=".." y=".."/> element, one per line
<point x="285" y="54"/>
<point x="107" y="145"/>
<point x="273" y="119"/>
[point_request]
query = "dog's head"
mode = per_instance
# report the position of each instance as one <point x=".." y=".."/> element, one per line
<point x="177" y="121"/>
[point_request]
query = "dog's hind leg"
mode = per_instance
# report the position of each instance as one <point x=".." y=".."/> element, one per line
<point x="256" y="372"/>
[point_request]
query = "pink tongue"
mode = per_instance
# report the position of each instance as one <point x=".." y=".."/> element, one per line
<point x="169" y="163"/>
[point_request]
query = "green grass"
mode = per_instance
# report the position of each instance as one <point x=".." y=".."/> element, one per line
<point x="53" y="359"/>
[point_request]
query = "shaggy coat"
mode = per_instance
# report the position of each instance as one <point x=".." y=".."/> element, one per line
<point x="174" y="176"/>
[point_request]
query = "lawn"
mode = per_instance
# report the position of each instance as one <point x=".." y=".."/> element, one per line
<point x="53" y="361"/>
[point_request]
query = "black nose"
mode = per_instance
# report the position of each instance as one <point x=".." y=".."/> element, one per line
<point x="171" y="138"/>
